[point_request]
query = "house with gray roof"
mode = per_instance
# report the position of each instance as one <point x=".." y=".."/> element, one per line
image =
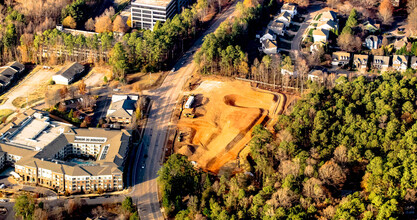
<point x="122" y="108"/>
<point x="68" y="74"/>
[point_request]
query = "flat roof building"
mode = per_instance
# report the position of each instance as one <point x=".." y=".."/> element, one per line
<point x="145" y="13"/>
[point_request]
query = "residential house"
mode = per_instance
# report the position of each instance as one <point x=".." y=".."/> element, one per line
<point x="381" y="63"/>
<point x="320" y="35"/>
<point x="68" y="74"/>
<point x="400" y="63"/>
<point x="270" y="46"/>
<point x="121" y="109"/>
<point x="360" y="62"/>
<point x="373" y="42"/>
<point x="316" y="46"/>
<point x="340" y="58"/>
<point x="285" y="18"/>
<point x="328" y="15"/>
<point x="268" y="35"/>
<point x="290" y="72"/>
<point x="277" y="27"/>
<point x="327" y="25"/>
<point x="9" y="73"/>
<point x="290" y="8"/>
<point x="400" y="43"/>
<point x="413" y="63"/>
<point x="316" y="75"/>
<point x="370" y="26"/>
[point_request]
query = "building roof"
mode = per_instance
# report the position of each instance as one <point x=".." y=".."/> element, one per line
<point x="320" y="32"/>
<point x="162" y="3"/>
<point x="360" y="58"/>
<point x="381" y="60"/>
<point x="413" y="59"/>
<point x="328" y="15"/>
<point x="122" y="106"/>
<point x="289" y="7"/>
<point x="277" y="24"/>
<point x="16" y="150"/>
<point x="7" y="71"/>
<point x="70" y="70"/>
<point x="269" y="44"/>
<point x="370" y="25"/>
<point x="285" y="15"/>
<point x="339" y="54"/>
<point x="332" y="24"/>
<point x="400" y="58"/>
<point x="373" y="38"/>
<point x="16" y="65"/>
<point x="115" y="145"/>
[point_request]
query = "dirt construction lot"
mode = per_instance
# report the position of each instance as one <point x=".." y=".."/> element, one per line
<point x="225" y="114"/>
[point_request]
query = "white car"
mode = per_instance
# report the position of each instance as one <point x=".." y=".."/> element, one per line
<point x="4" y="200"/>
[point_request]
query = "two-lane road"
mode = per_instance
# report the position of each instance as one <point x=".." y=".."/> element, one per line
<point x="145" y="191"/>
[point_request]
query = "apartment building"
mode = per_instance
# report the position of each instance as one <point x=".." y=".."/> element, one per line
<point x="145" y="13"/>
<point x="73" y="160"/>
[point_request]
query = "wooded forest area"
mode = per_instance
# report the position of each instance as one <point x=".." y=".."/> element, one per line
<point x="342" y="153"/>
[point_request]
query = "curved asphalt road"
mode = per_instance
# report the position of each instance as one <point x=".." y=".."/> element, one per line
<point x="145" y="190"/>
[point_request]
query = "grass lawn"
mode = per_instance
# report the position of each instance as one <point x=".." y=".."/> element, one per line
<point x="4" y="113"/>
<point x="36" y="96"/>
<point x="144" y="81"/>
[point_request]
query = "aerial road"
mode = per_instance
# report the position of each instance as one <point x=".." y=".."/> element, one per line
<point x="144" y="169"/>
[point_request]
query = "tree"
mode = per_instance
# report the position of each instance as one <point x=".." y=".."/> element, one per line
<point x="412" y="21"/>
<point x="69" y="22"/>
<point x="411" y="6"/>
<point x="127" y="205"/>
<point x="177" y="179"/>
<point x="24" y="206"/>
<point x="352" y="20"/>
<point x="90" y="24"/>
<point x="63" y="92"/>
<point x="119" y="25"/>
<point x="350" y="43"/>
<point x="385" y="11"/>
<point x="333" y="3"/>
<point x="82" y="87"/>
<point x="118" y="60"/>
<point x="332" y="174"/>
<point x="103" y="24"/>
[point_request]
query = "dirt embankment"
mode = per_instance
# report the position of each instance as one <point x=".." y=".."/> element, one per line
<point x="226" y="113"/>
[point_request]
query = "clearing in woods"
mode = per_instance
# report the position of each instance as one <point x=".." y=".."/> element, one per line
<point x="225" y="114"/>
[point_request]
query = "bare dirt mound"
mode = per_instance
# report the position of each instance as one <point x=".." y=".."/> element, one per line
<point x="226" y="115"/>
<point x="186" y="150"/>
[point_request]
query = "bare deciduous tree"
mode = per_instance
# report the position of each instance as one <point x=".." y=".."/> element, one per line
<point x="119" y="24"/>
<point x="385" y="11"/>
<point x="313" y="188"/>
<point x="89" y="25"/>
<point x="332" y="174"/>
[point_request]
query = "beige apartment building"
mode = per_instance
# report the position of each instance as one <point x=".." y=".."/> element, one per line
<point x="74" y="160"/>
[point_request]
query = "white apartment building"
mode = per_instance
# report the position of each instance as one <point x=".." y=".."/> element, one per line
<point x="145" y="13"/>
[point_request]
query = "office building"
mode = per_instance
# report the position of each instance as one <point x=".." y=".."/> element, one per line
<point x="145" y="13"/>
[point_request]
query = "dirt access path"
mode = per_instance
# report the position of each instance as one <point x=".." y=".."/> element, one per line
<point x="34" y="80"/>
